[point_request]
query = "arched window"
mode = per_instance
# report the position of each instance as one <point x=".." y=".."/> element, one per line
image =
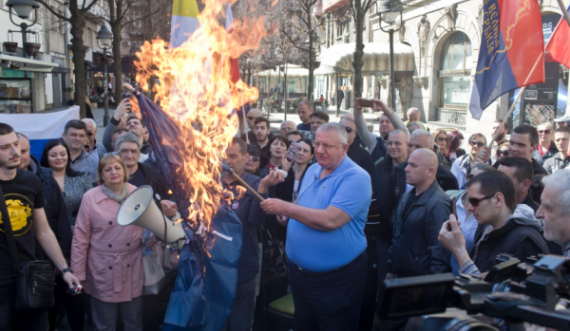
<point x="455" y="73"/>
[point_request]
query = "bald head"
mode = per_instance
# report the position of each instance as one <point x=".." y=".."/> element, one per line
<point x="413" y="115"/>
<point x="251" y="116"/>
<point x="427" y="157"/>
<point x="422" y="168"/>
<point x="287" y="127"/>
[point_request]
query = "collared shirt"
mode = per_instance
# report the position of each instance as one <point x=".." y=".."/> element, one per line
<point x="348" y="188"/>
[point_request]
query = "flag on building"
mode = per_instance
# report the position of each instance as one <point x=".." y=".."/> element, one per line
<point x="559" y="44"/>
<point x="184" y="21"/>
<point x="40" y="128"/>
<point x="511" y="53"/>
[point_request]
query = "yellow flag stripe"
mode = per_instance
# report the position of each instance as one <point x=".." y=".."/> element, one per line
<point x="187" y="8"/>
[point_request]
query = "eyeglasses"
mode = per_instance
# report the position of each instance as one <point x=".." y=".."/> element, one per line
<point x="318" y="144"/>
<point x="393" y="143"/>
<point x="503" y="153"/>
<point x="89" y="133"/>
<point x="475" y="202"/>
<point x="476" y="143"/>
<point x="348" y="129"/>
<point x="254" y="158"/>
<point x="441" y="139"/>
<point x="547" y="131"/>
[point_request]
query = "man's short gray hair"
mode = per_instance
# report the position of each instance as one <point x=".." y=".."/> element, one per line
<point x="342" y="134"/>
<point x="90" y="120"/>
<point x="304" y="103"/>
<point x="422" y="133"/>
<point x="406" y="133"/>
<point x="561" y="181"/>
<point x="127" y="138"/>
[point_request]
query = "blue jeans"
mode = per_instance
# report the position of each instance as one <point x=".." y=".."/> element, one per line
<point x="330" y="300"/>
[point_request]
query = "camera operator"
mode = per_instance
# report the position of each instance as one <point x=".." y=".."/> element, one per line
<point x="506" y="228"/>
<point x="555" y="209"/>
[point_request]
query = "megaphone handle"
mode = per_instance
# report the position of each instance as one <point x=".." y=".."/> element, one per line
<point x="249" y="188"/>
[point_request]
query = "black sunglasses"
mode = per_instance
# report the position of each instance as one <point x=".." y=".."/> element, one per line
<point x="89" y="133"/>
<point x="348" y="129"/>
<point x="503" y="153"/>
<point x="547" y="131"/>
<point x="475" y="202"/>
<point x="442" y="139"/>
<point x="476" y="143"/>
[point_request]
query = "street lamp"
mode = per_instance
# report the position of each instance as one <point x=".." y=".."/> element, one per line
<point x="105" y="40"/>
<point x="389" y="11"/>
<point x="23" y="8"/>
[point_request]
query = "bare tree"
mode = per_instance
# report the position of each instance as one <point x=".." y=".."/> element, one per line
<point x="359" y="9"/>
<point x="78" y="10"/>
<point x="119" y="18"/>
<point x="300" y="28"/>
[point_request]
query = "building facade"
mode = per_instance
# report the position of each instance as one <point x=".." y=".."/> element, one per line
<point x="435" y="58"/>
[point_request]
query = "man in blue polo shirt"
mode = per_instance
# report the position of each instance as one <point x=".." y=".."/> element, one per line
<point x="325" y="236"/>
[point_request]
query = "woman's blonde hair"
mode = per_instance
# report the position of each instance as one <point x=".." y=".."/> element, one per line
<point x="105" y="160"/>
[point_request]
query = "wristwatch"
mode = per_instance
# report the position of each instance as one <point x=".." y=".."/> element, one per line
<point x="66" y="270"/>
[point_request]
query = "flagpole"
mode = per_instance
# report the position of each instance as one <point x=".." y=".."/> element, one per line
<point x="564" y="12"/>
<point x="507" y="117"/>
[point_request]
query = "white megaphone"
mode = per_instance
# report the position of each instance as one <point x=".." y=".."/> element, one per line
<point x="139" y="209"/>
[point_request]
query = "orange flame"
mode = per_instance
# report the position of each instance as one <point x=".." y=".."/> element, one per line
<point x="196" y="90"/>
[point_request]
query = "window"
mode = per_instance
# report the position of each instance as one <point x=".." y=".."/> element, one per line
<point x="455" y="73"/>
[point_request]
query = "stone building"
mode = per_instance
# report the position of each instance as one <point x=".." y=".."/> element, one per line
<point x="436" y="52"/>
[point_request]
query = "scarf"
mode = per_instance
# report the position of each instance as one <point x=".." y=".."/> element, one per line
<point x="112" y="195"/>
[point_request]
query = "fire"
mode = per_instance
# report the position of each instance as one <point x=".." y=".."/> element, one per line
<point x="196" y="90"/>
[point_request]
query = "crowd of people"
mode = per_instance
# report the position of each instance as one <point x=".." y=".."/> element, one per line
<point x="354" y="209"/>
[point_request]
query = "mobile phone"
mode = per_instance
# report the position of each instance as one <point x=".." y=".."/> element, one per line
<point x="292" y="151"/>
<point x="366" y="103"/>
<point x="453" y="211"/>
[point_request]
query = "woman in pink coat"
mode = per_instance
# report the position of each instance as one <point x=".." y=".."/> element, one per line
<point x="105" y="257"/>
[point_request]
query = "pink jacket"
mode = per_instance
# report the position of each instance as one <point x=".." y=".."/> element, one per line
<point x="105" y="256"/>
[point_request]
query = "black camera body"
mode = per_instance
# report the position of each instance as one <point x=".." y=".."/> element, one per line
<point x="512" y="291"/>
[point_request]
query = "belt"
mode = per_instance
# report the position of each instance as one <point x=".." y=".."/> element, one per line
<point x="334" y="270"/>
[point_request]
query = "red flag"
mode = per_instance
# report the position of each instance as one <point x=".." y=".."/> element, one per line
<point x="559" y="44"/>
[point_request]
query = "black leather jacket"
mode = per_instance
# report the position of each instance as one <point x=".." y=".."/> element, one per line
<point x="415" y="249"/>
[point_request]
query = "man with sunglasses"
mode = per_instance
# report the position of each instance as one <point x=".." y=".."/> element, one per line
<point x="561" y="159"/>
<point x="501" y="137"/>
<point x="504" y="227"/>
<point x="96" y="148"/>
<point x="546" y="147"/>
<point x="356" y="153"/>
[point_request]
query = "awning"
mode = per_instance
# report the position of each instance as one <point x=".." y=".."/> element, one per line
<point x="338" y="59"/>
<point x="292" y="70"/>
<point x="32" y="65"/>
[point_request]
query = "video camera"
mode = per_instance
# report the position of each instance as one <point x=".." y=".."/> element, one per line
<point x="512" y="291"/>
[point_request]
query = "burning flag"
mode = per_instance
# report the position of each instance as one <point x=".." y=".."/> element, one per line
<point x="190" y="134"/>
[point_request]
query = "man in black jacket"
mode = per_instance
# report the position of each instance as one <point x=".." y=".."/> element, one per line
<point x="388" y="186"/>
<point x="356" y="153"/>
<point x="423" y="139"/>
<point x="415" y="250"/>
<point x="508" y="228"/>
